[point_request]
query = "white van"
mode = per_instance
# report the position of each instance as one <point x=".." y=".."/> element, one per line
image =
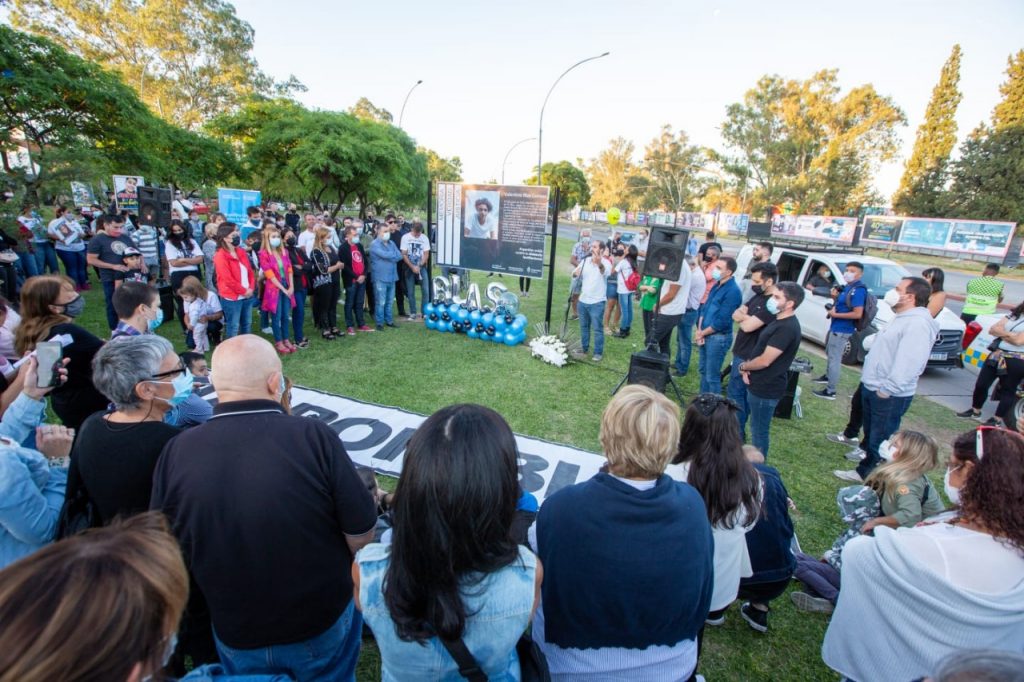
<point x="880" y="275"/>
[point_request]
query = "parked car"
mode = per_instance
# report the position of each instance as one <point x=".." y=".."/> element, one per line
<point x="978" y="339"/>
<point x="880" y="275"/>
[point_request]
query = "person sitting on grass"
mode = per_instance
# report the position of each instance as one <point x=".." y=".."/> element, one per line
<point x="613" y="605"/>
<point x="913" y="595"/>
<point x="452" y="577"/>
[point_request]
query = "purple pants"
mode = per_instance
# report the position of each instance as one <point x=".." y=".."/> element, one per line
<point x="819" y="576"/>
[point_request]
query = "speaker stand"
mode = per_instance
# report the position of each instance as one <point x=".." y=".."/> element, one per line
<point x="652" y="347"/>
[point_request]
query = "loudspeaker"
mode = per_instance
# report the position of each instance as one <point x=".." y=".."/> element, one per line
<point x="649" y="368"/>
<point x="155" y="207"/>
<point x="665" y="251"/>
<point x="166" y="298"/>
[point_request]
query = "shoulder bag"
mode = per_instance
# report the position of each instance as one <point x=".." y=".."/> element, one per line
<point x="533" y="667"/>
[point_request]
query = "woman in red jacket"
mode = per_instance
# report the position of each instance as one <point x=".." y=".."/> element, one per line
<point x="236" y="281"/>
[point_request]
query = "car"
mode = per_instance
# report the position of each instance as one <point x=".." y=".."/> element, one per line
<point x="978" y="339"/>
<point x="880" y="274"/>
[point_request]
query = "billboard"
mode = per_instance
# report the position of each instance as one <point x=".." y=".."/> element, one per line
<point x="883" y="230"/>
<point x="126" y="194"/>
<point x="976" y="236"/>
<point x="693" y="221"/>
<point x="930" y="233"/>
<point x="661" y="219"/>
<point x="733" y="224"/>
<point x="233" y="202"/>
<point x="815" y="227"/>
<point x="492" y="228"/>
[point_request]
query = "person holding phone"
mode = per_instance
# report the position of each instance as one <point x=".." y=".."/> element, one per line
<point x="31" y="480"/>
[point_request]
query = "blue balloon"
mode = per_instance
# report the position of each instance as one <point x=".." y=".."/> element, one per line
<point x="472" y="333"/>
<point x="510" y="339"/>
<point x="453" y="309"/>
<point x="521" y="318"/>
<point x="520" y="337"/>
<point x="428" y="308"/>
<point x="500" y="325"/>
<point x="462" y="315"/>
<point x="475" y="316"/>
<point x="430" y="323"/>
<point x="518" y="326"/>
<point x="487" y="319"/>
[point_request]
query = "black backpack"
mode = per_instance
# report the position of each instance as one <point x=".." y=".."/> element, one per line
<point x="870" y="307"/>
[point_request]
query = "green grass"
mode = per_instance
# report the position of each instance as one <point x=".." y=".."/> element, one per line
<point x="421" y="371"/>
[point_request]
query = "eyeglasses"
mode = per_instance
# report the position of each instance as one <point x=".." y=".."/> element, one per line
<point x="171" y="372"/>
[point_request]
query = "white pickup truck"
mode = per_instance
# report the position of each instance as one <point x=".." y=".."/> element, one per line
<point x="880" y="274"/>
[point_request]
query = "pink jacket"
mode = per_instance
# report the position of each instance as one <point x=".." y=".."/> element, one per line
<point x="271" y="272"/>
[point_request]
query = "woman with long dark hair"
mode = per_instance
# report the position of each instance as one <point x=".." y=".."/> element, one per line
<point x="937" y="300"/>
<point x="1005" y="363"/>
<point x="236" y="281"/>
<point x="326" y="284"/>
<point x="301" y="268"/>
<point x="624" y="269"/>
<point x="712" y="459"/>
<point x="184" y="258"/>
<point x="452" y="571"/>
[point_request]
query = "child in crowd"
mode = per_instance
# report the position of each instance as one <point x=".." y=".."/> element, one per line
<point x="212" y="315"/>
<point x="195" y="320"/>
<point x="132" y="259"/>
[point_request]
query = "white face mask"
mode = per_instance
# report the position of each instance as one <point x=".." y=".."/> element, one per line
<point x="952" y="492"/>
<point x="849" y="277"/>
<point x="886" y="451"/>
<point x="384" y="236"/>
<point x="892" y="298"/>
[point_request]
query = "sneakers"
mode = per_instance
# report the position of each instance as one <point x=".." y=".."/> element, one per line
<point x="716" y="622"/>
<point x="267" y="330"/>
<point x="841" y="439"/>
<point x="823" y="379"/>
<point x="350" y="331"/>
<point x="364" y="328"/>
<point x="850" y="475"/>
<point x="380" y="328"/>
<point x="755" y="618"/>
<point x="303" y="344"/>
<point x="390" y="324"/>
<point x="855" y="455"/>
<point x="826" y="394"/>
<point x="597" y="358"/>
<point x="580" y="354"/>
<point x="805" y="602"/>
<point x="969" y="413"/>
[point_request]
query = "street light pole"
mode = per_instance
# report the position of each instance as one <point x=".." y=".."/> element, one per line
<point x="540" y="128"/>
<point x="529" y="139"/>
<point x="406" y="101"/>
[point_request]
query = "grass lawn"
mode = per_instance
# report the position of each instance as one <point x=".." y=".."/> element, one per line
<point x="421" y="371"/>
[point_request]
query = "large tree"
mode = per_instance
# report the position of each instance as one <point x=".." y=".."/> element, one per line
<point x="188" y="59"/>
<point x="803" y="142"/>
<point x="669" y="171"/>
<point x="440" y="169"/>
<point x="924" y="178"/>
<point x="1009" y="112"/>
<point x="365" y="109"/>
<point x="609" y="173"/>
<point x="570" y="181"/>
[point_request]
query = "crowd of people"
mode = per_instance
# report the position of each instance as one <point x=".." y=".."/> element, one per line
<point x="151" y="534"/>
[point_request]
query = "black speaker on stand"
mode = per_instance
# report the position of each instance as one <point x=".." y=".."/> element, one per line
<point x="155" y="207"/>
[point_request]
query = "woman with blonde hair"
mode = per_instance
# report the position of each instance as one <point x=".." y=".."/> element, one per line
<point x="903" y="489"/>
<point x="104" y="605"/>
<point x="279" y="287"/>
<point x="326" y="273"/>
<point x="640" y="614"/>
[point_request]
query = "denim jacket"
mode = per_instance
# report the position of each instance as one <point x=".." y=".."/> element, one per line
<point x="31" y="491"/>
<point x="499" y="607"/>
<point x="384" y="256"/>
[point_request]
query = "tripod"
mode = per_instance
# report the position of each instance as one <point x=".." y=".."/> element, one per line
<point x="653" y="357"/>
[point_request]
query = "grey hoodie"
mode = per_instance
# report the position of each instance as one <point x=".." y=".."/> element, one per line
<point x="900" y="353"/>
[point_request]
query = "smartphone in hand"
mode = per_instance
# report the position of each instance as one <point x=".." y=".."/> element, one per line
<point x="48" y="356"/>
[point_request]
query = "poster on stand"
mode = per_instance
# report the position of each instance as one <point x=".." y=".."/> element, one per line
<point x="126" y="194"/>
<point x="233" y="203"/>
<point x="82" y="195"/>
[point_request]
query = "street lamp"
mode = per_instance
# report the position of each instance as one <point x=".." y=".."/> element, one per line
<point x="406" y="101"/>
<point x="529" y="139"/>
<point x="540" y="129"/>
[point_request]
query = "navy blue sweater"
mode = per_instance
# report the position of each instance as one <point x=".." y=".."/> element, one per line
<point x="624" y="567"/>
<point x="770" y="540"/>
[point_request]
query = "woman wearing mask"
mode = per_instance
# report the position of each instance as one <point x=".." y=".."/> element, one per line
<point x="49" y="305"/>
<point x="325" y="272"/>
<point x="184" y="258"/>
<point x="611" y="309"/>
<point x="236" y="281"/>
<point x="301" y="267"/>
<point x="69" y="240"/>
<point x="913" y="595"/>
<point x="1005" y="363"/>
<point x="625" y="266"/>
<point x="354" y="271"/>
<point x="115" y="453"/>
<point x="279" y="287"/>
<point x="452" y="570"/>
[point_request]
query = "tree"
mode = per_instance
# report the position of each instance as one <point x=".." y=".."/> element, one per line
<point x="367" y="110"/>
<point x="1009" y="112"/>
<point x="570" y="181"/>
<point x="924" y="178"/>
<point x="608" y="175"/>
<point x="670" y="167"/>
<point x="189" y="60"/>
<point x="804" y="144"/>
<point x="440" y="169"/>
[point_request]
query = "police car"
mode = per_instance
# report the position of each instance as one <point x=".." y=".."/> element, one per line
<point x="799" y="265"/>
<point x="977" y="339"/>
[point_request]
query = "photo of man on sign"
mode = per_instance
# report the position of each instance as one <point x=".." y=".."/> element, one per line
<point x="482" y="220"/>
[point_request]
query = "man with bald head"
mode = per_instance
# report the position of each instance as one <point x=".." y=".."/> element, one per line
<point x="269" y="511"/>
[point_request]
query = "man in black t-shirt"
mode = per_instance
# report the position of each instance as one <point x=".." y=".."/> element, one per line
<point x="709" y="241"/>
<point x="767" y="372"/>
<point x="106" y="254"/>
<point x="752" y="318"/>
<point x="269" y="511"/>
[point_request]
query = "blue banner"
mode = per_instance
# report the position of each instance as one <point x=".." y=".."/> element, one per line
<point x="923" y="232"/>
<point x="233" y="202"/>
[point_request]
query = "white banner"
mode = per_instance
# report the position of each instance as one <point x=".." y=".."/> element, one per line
<point x="375" y="436"/>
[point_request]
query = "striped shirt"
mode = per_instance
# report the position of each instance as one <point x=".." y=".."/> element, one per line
<point x="145" y="239"/>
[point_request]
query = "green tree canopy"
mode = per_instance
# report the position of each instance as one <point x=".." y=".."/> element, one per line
<point x="188" y="60"/>
<point x="367" y="110"/>
<point x="608" y="175"/>
<point x="668" y="173"/>
<point x="441" y="169"/>
<point x="923" y="182"/>
<point x="1009" y="112"/>
<point x="570" y="181"/>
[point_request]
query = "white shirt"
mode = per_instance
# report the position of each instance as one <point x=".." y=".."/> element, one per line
<point x="72" y="240"/>
<point x="305" y="241"/>
<point x="677" y="306"/>
<point x="624" y="270"/>
<point x="594" y="281"/>
<point x="969" y="560"/>
<point x="489" y="230"/>
<point x="415" y="247"/>
<point x="173" y="253"/>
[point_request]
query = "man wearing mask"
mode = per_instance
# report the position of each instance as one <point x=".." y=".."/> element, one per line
<point x="684" y="330"/>
<point x="353" y="277"/>
<point x="708" y="260"/>
<point x="709" y="243"/>
<point x="415" y="249"/>
<point x="105" y="253"/>
<point x="848" y="308"/>
<point x="397" y="232"/>
<point x="821" y="278"/>
<point x="761" y="253"/>
<point x="753" y="317"/>
<point x="714" y="324"/>
<point x="766" y="374"/>
<point x="384" y="257"/>
<point x="254" y="224"/>
<point x="592" y="273"/>
<point x="580" y="252"/>
<point x="892" y="367"/>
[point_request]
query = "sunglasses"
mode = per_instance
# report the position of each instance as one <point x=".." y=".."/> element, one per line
<point x="707" y="403"/>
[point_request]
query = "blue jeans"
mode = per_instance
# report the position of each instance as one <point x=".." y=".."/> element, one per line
<point x="28" y="263"/>
<point x="410" y="291"/>
<point x="684" y="334"/>
<point x="737" y="391"/>
<point x="592" y="315"/>
<point x="355" y="293"/>
<point x="279" y="319"/>
<point x="761" y="411"/>
<point x="237" y="316"/>
<point x="882" y="418"/>
<point x="46" y="258"/>
<point x="74" y="266"/>
<point x="299" y="315"/>
<point x="626" y="306"/>
<point x="710" y="359"/>
<point x="384" y="295"/>
<point x="108" y="294"/>
<point x="328" y="657"/>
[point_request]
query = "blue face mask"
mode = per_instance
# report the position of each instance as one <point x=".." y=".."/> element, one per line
<point x="182" y="388"/>
<point x="156" y="321"/>
<point x="716" y="274"/>
<point x="771" y="306"/>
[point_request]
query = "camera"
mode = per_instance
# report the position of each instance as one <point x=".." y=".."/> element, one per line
<point x="829" y="305"/>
